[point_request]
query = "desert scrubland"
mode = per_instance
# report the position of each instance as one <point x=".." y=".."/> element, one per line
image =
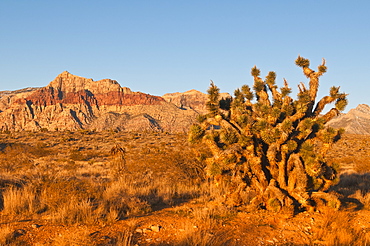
<point x="80" y="188"/>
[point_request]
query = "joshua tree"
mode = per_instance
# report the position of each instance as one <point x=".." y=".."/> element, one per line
<point x="118" y="159"/>
<point x="269" y="148"/>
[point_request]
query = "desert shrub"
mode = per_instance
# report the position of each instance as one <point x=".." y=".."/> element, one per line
<point x="209" y="192"/>
<point x="75" y="212"/>
<point x="21" y="201"/>
<point x="58" y="191"/>
<point x="204" y="238"/>
<point x="362" y="164"/>
<point x="83" y="155"/>
<point x="180" y="164"/>
<point x="189" y="165"/>
<point x="118" y="161"/>
<point x="124" y="238"/>
<point x="40" y="150"/>
<point x="203" y="228"/>
<point x="15" y="158"/>
<point x="138" y="194"/>
<point x="80" y="237"/>
<point x="138" y="186"/>
<point x="333" y="232"/>
<point x="273" y="145"/>
<point x="119" y="202"/>
<point x="76" y="155"/>
<point x="204" y="235"/>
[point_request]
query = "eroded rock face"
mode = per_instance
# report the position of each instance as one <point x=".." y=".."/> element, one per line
<point x="70" y="89"/>
<point x="71" y="102"/>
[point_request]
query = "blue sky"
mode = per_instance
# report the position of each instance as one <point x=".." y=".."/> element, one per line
<point x="161" y="46"/>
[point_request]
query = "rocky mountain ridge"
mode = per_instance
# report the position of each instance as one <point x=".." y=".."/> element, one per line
<point x="70" y="102"/>
<point x="356" y="121"/>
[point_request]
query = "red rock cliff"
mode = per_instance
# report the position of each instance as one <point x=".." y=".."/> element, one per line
<point x="70" y="89"/>
<point x="71" y="102"/>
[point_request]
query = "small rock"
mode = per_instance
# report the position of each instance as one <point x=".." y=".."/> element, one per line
<point x="146" y="230"/>
<point x="155" y="228"/>
<point x="139" y="230"/>
<point x="35" y="226"/>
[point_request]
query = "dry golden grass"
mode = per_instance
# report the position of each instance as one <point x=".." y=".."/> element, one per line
<point x="21" y="201"/>
<point x="339" y="228"/>
<point x="204" y="237"/>
<point x="77" y="184"/>
<point x="124" y="239"/>
<point x="80" y="238"/>
<point x="203" y="228"/>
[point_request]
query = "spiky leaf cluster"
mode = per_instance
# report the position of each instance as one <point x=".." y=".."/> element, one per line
<point x="302" y="62"/>
<point x="214" y="97"/>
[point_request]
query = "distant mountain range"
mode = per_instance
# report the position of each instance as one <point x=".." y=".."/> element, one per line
<point x="192" y="99"/>
<point x="356" y="121"/>
<point x="70" y="102"/>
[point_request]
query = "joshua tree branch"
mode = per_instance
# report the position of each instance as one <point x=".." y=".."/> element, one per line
<point x="331" y="114"/>
<point x="321" y="105"/>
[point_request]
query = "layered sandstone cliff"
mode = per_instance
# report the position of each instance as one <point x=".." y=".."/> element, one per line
<point x="71" y="102"/>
